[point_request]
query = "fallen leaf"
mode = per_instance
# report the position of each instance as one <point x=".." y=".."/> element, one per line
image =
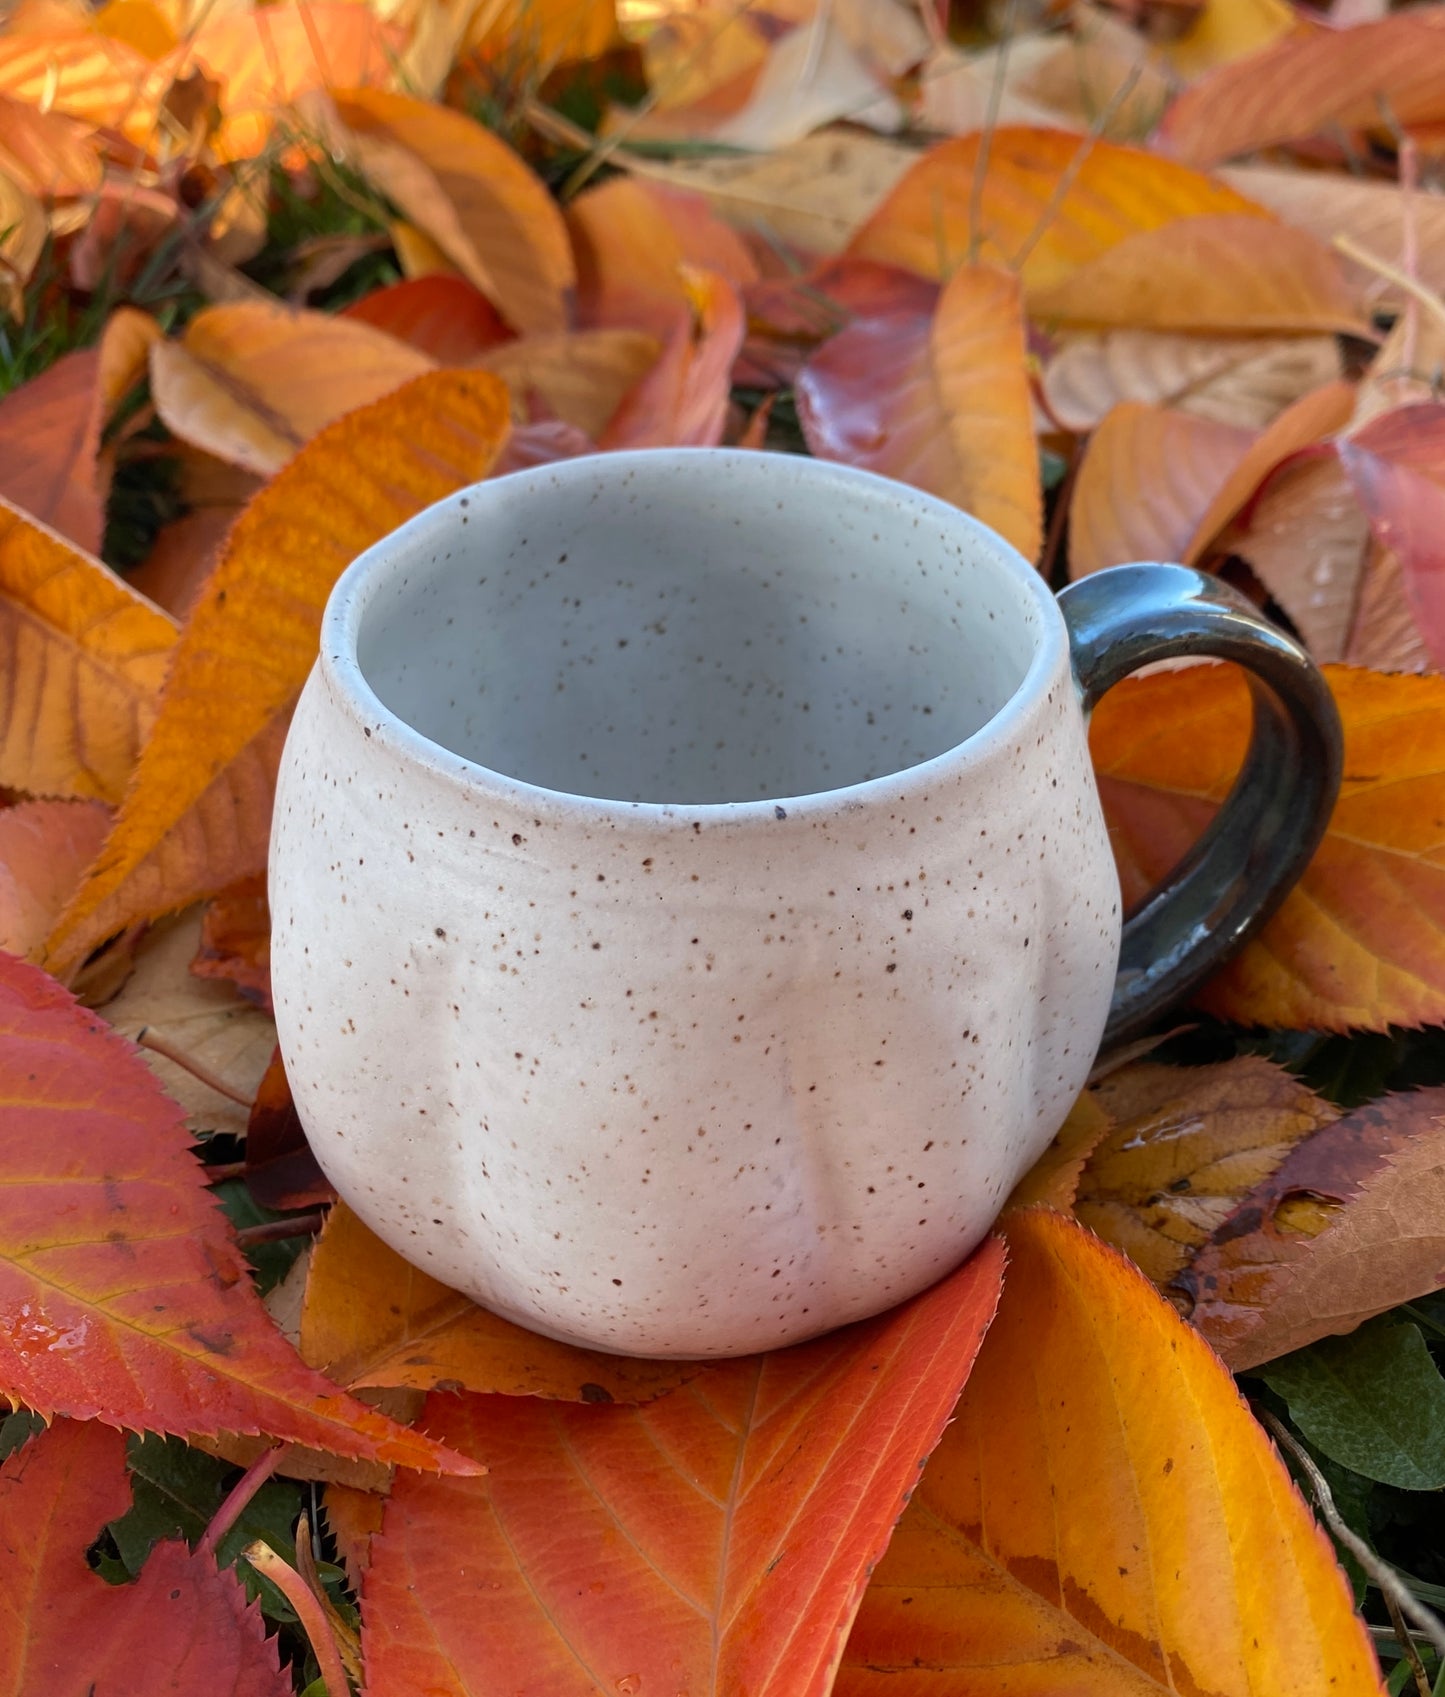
<point x="1221" y="274"/>
<point x="490" y="215"/>
<point x="48" y="153"/>
<point x="1360" y="941"/>
<point x="1098" y="1455"/>
<point x="353" y="1517"/>
<point x="123" y="1295"/>
<point x="1306" y="539"/>
<point x="1310" y="81"/>
<point x="85" y="658"/>
<point x="87" y="75"/>
<point x="251" y="383"/>
<point x="1246" y="381"/>
<point x="49" y="438"/>
<point x="716" y="1540"/>
<point x="182" y="557"/>
<point x="1348" y="1227"/>
<point x="1312" y="418"/>
<point x="542" y="442"/>
<point x="937" y="400"/>
<point x="1396" y="464"/>
<point x="1039" y="80"/>
<point x="1144" y="483"/>
<point x="1385" y="635"/>
<point x="1223" y="31"/>
<point x="281" y="1171"/>
<point x="1185" y="1143"/>
<point x="1374" y="1402"/>
<point x="543" y="32"/>
<point x="445" y="318"/>
<point x="44" y="848"/>
<point x="812" y="195"/>
<point x="267" y="58"/>
<point x="632" y="238"/>
<point x="197" y="817"/>
<point x="682" y="401"/>
<point x="579" y="376"/>
<point x="183" y="1626"/>
<point x="1054" y="1178"/>
<point x="1371" y="213"/>
<point x="371" y="1319"/>
<point x="23" y="233"/>
<point x="1109" y="193"/>
<point x="236" y="940"/>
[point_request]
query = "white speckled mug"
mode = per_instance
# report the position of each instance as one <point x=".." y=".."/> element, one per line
<point x="692" y="906"/>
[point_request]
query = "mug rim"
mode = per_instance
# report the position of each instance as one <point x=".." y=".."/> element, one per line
<point x="339" y="664"/>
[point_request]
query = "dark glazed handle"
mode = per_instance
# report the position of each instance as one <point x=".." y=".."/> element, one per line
<point x="1272" y="820"/>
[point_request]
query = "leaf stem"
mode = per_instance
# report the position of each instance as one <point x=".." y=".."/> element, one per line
<point x="237" y="1497"/>
<point x="277" y="1231"/>
<point x="1392" y="273"/>
<point x="1396" y="1593"/>
<point x="159" y="1045"/>
<point x="308" y="1611"/>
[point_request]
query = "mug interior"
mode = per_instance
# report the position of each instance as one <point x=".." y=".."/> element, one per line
<point x="697" y="626"/>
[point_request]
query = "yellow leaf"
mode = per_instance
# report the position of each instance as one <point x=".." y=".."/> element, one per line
<point x="487" y="212"/>
<point x="197" y="817"/>
<point x="250" y="383"/>
<point x="1103" y="1517"/>
<point x="1054" y="1177"/>
<point x="84" y="658"/>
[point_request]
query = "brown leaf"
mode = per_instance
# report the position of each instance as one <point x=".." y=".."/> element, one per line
<point x="49" y="438"/>
<point x="371" y="1319"/>
<point x="1186" y="1143"/>
<point x="44" y="848"/>
<point x="1352" y="1224"/>
<point x="1246" y="381"/>
<point x="1102" y="1518"/>
<point x="1221" y="274"/>
<point x="197" y="817"/>
<point x="491" y="216"/>
<point x="281" y="1171"/>
<point x="715" y="1540"/>
<point x="84" y="657"/>
<point x="938" y="400"/>
<point x="251" y="383"/>
<point x="1146" y="478"/>
<point x="579" y="376"/>
<point x="236" y="940"/>
<point x="1385" y="635"/>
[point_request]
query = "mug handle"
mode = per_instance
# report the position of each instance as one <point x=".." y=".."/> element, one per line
<point x="1271" y="822"/>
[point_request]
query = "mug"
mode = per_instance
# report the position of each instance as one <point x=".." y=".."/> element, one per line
<point x="692" y="905"/>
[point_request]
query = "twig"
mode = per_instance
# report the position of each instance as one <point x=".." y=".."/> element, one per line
<point x="1063" y="500"/>
<point x="237" y="1497"/>
<point x="308" y="1611"/>
<point x="1406" y="1640"/>
<point x="990" y="124"/>
<point x="277" y="1231"/>
<point x="1383" y="268"/>
<point x="148" y="1039"/>
<point x="1396" y="1593"/>
<point x="223" y="1170"/>
<point x="1107" y="1065"/>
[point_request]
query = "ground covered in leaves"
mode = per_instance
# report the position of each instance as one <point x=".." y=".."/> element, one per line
<point x="1148" y="279"/>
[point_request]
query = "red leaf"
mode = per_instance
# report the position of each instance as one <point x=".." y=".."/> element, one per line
<point x="44" y="848"/>
<point x="183" y="1627"/>
<point x="122" y="1294"/>
<point x="717" y="1540"/>
<point x="446" y="317"/>
<point x="281" y="1171"/>
<point x="236" y="940"/>
<point x="1397" y="464"/>
<point x="49" y="437"/>
<point x="682" y="401"/>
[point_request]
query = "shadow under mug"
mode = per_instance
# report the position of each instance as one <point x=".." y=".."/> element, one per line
<point x="692" y="905"/>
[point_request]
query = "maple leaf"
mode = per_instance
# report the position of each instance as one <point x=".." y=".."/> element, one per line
<point x="122" y="1294"/>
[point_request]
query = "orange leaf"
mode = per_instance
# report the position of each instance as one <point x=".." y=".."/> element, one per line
<point x="543" y="32"/>
<point x="1224" y="272"/>
<point x="267" y="58"/>
<point x="491" y="216"/>
<point x="236" y="940"/>
<point x="682" y="401"/>
<point x="1103" y="1517"/>
<point x="44" y="848"/>
<point x="443" y="317"/>
<point x="49" y="437"/>
<point x="1311" y="81"/>
<point x="632" y="238"/>
<point x="84" y="657"/>
<point x="1360" y="942"/>
<point x="124" y="1295"/>
<point x="52" y="155"/>
<point x="250" y="383"/>
<point x="1054" y="1177"/>
<point x="579" y="376"/>
<point x="1147" y="476"/>
<point x="197" y="817"/>
<point x="1050" y="202"/>
<point x="370" y="1319"/>
<point x="1349" y="1226"/>
<point x="716" y="1540"/>
<point x="84" y="74"/>
<point x="940" y="401"/>
<point x="1185" y="1144"/>
<point x="183" y="1625"/>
